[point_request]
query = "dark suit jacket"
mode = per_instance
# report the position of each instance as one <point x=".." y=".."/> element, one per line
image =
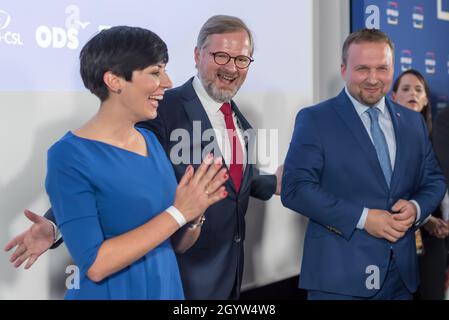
<point x="213" y="267"/>
<point x="440" y="139"/>
<point x="332" y="172"/>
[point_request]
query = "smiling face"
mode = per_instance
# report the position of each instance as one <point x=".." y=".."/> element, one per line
<point x="368" y="72"/>
<point x="222" y="81"/>
<point x="411" y="93"/>
<point x="142" y="94"/>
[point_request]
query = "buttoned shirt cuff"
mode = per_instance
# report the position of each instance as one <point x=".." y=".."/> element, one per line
<point x="57" y="233"/>
<point x="418" y="213"/>
<point x="362" y="220"/>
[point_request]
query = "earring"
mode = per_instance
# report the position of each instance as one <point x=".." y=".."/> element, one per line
<point x="119" y="91"/>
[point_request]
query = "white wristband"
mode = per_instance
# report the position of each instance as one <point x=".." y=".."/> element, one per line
<point x="177" y="215"/>
<point x="56" y="233"/>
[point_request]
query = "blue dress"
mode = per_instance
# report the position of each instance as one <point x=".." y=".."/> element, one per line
<point x="99" y="191"/>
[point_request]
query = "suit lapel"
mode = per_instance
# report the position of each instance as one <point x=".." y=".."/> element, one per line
<point x="399" y="167"/>
<point x="349" y="116"/>
<point x="197" y="114"/>
<point x="199" y="120"/>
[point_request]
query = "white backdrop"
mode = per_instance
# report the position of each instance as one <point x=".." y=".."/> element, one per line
<point x="296" y="64"/>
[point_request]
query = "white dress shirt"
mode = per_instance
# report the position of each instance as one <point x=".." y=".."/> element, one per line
<point x="216" y="118"/>
<point x="386" y="125"/>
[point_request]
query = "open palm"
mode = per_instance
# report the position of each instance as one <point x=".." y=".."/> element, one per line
<point x="33" y="242"/>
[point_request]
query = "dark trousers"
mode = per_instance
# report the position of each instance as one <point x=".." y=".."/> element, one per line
<point x="432" y="269"/>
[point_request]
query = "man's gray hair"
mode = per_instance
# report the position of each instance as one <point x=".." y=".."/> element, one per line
<point x="220" y="24"/>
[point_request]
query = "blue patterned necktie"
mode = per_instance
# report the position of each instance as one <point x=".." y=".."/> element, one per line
<point x="380" y="143"/>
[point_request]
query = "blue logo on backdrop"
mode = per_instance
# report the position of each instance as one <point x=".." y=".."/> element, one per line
<point x="406" y="60"/>
<point x="392" y="13"/>
<point x="418" y="17"/>
<point x="430" y="62"/>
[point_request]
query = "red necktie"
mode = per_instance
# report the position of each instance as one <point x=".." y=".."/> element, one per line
<point x="236" y="165"/>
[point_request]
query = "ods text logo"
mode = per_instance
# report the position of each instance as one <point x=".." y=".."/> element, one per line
<point x="430" y="62"/>
<point x="392" y="13"/>
<point x="418" y="17"/>
<point x="57" y="37"/>
<point x="406" y="60"/>
<point x="6" y="36"/>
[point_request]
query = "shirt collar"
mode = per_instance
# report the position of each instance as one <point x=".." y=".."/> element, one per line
<point x="210" y="105"/>
<point x="361" y="108"/>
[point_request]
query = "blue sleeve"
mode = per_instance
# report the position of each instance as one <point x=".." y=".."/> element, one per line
<point x="301" y="189"/>
<point x="432" y="187"/>
<point x="72" y="197"/>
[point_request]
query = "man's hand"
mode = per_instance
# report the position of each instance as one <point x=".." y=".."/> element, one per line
<point x="33" y="242"/>
<point x="279" y="172"/>
<point x="381" y="224"/>
<point x="406" y="212"/>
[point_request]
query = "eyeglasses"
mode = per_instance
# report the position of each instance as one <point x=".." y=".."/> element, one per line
<point x="222" y="58"/>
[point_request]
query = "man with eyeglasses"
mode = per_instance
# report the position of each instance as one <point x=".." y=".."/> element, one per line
<point x="213" y="267"/>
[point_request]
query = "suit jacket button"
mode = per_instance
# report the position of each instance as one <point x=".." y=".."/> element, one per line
<point x="237" y="239"/>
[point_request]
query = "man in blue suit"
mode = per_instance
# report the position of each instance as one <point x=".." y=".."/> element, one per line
<point x="361" y="168"/>
<point x="213" y="267"/>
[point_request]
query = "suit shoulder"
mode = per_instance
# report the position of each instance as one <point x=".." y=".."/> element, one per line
<point x="170" y="98"/>
<point x="319" y="109"/>
<point x="173" y="93"/>
<point x="406" y="112"/>
<point x="399" y="108"/>
<point x="174" y="98"/>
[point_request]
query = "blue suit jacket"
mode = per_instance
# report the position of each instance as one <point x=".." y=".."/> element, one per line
<point x="213" y="267"/>
<point x="332" y="172"/>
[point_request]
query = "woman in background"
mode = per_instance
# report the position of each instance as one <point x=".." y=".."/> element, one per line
<point x="411" y="90"/>
<point x="112" y="188"/>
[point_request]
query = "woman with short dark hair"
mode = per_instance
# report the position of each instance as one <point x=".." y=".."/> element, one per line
<point x="112" y="188"/>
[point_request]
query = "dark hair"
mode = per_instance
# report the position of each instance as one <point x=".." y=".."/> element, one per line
<point x="365" y="35"/>
<point x="220" y="24"/>
<point x="121" y="50"/>
<point x="427" y="110"/>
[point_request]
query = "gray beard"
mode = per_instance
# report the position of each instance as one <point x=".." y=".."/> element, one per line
<point x="218" y="95"/>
